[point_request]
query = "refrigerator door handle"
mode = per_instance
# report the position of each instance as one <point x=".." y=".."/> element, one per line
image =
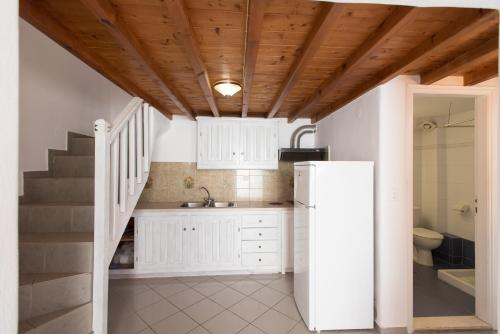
<point x="306" y="206"/>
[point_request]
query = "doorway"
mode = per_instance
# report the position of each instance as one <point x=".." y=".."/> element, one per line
<point x="452" y="150"/>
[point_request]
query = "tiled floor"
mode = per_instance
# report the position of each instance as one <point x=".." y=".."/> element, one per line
<point x="246" y="304"/>
<point x="435" y="298"/>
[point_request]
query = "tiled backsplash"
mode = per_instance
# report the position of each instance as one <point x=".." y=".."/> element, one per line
<point x="179" y="182"/>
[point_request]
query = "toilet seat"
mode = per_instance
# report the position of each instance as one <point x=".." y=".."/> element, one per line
<point x="426" y="233"/>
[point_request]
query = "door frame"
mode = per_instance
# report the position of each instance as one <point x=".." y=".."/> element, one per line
<point x="487" y="244"/>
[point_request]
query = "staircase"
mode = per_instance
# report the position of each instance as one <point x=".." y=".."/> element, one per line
<point x="56" y="222"/>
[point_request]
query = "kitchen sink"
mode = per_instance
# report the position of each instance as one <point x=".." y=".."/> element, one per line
<point x="193" y="205"/>
<point x="213" y="205"/>
<point x="223" y="204"/>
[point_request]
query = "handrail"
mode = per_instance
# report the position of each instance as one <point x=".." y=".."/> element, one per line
<point x="122" y="160"/>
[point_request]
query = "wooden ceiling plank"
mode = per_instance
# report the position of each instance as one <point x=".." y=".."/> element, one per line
<point x="107" y="15"/>
<point x="391" y="25"/>
<point x="457" y="31"/>
<point x="477" y="76"/>
<point x="255" y="19"/>
<point x="315" y="38"/>
<point x="34" y="13"/>
<point x="467" y="60"/>
<point x="186" y="35"/>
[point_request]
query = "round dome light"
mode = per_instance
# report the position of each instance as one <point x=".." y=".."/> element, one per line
<point x="227" y="88"/>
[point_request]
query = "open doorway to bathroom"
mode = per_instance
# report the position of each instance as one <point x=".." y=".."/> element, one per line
<point x="437" y="165"/>
<point x="444" y="209"/>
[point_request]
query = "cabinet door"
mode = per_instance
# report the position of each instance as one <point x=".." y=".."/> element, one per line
<point x="214" y="241"/>
<point x="160" y="243"/>
<point x="259" y="145"/>
<point x="218" y="143"/>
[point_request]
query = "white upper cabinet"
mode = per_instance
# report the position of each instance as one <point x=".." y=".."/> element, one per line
<point x="237" y="144"/>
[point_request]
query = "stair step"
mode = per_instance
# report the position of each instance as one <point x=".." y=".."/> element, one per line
<point x="42" y="293"/>
<point x="82" y="146"/>
<point x="55" y="252"/>
<point x="56" y="217"/>
<point x="59" y="190"/>
<point x="74" y="320"/>
<point x="73" y="166"/>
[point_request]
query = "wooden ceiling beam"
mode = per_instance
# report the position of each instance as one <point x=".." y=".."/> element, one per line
<point x="38" y="16"/>
<point x="107" y="15"/>
<point x="255" y="19"/>
<point x="479" y="75"/>
<point x="185" y="34"/>
<point x="391" y="25"/>
<point x="315" y="38"/>
<point x="467" y="60"/>
<point x="461" y="30"/>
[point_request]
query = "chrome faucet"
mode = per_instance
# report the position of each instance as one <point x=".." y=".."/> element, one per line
<point x="208" y="200"/>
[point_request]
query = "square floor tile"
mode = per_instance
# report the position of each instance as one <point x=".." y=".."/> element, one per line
<point x="264" y="278"/>
<point x="185" y="298"/>
<point x="178" y="323"/>
<point x="208" y="288"/>
<point x="287" y="307"/>
<point x="249" y="309"/>
<point x="230" y="279"/>
<point x="268" y="296"/>
<point x="284" y="285"/>
<point x="225" y="323"/>
<point x="247" y="287"/>
<point x="300" y="328"/>
<point x="125" y="323"/>
<point x="274" y="322"/>
<point x="154" y="313"/>
<point x="251" y="330"/>
<point x="227" y="297"/>
<point x="167" y="290"/>
<point x="193" y="280"/>
<point x="146" y="331"/>
<point x="143" y="299"/>
<point x="203" y="310"/>
<point x="199" y="330"/>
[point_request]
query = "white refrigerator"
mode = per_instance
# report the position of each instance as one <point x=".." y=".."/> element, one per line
<point x="333" y="244"/>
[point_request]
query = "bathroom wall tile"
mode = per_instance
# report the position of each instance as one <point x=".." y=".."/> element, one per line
<point x="256" y="194"/>
<point x="256" y="172"/>
<point x="242" y="181"/>
<point x="256" y="181"/>
<point x="242" y="194"/>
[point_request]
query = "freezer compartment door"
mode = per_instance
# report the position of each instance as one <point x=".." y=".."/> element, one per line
<point x="304" y="186"/>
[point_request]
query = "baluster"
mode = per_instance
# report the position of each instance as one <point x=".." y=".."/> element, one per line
<point x="131" y="155"/>
<point x="123" y="168"/>
<point x="114" y="169"/>
<point x="138" y="121"/>
<point x="145" y="110"/>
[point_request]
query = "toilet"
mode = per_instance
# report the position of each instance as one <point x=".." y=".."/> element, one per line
<point x="424" y="241"/>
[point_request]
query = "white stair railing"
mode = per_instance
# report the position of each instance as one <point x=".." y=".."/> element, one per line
<point x="122" y="160"/>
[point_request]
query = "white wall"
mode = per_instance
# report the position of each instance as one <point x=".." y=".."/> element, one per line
<point x="58" y="93"/>
<point x="373" y="127"/>
<point x="177" y="139"/>
<point x="9" y="281"/>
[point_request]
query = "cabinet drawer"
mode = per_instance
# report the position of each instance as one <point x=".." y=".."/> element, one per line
<point x="260" y="234"/>
<point x="259" y="259"/>
<point x="261" y="220"/>
<point x="259" y="246"/>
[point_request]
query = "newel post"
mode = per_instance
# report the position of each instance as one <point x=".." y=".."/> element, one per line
<point x="101" y="227"/>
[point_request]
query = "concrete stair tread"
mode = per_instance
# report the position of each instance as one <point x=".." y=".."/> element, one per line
<point x="72" y="204"/>
<point x="56" y="237"/>
<point x="33" y="278"/>
<point x="32" y="323"/>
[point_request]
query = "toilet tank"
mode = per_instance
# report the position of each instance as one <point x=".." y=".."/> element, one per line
<point x="416" y="216"/>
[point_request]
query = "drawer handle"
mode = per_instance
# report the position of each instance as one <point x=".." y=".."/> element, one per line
<point x="194" y="229"/>
<point x="260" y="234"/>
<point x="260" y="220"/>
<point x="184" y="228"/>
<point x="260" y="246"/>
<point x="260" y="260"/>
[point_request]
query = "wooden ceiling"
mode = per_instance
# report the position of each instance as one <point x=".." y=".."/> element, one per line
<point x="294" y="58"/>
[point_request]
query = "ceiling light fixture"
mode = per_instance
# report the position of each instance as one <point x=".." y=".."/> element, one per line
<point x="227" y="88"/>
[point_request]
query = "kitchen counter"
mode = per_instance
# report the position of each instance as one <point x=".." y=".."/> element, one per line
<point x="176" y="206"/>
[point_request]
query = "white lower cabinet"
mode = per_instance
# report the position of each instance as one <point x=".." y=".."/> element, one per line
<point x="209" y="242"/>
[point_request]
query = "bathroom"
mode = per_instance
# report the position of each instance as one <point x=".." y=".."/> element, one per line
<point x="444" y="205"/>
